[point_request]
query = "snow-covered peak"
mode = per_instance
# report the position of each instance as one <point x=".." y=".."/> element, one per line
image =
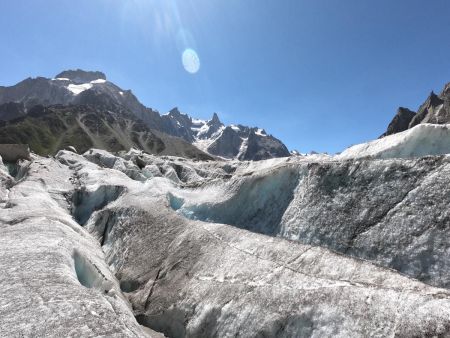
<point x="175" y="112"/>
<point x="230" y="142"/>
<point x="80" y="76"/>
<point x="215" y="119"/>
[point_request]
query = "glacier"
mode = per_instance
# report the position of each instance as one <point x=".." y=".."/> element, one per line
<point x="138" y="245"/>
<point x="421" y="140"/>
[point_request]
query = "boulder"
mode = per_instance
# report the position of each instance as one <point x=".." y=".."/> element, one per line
<point x="14" y="152"/>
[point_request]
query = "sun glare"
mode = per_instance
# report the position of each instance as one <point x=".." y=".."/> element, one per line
<point x="191" y="61"/>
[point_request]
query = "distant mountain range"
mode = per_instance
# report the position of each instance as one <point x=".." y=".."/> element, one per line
<point x="84" y="109"/>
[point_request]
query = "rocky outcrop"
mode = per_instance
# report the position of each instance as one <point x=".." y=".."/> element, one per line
<point x="177" y="124"/>
<point x="11" y="110"/>
<point x="400" y="122"/>
<point x="81" y="76"/>
<point x="31" y="92"/>
<point x="431" y="112"/>
<point x="435" y="110"/>
<point x="227" y="144"/>
<point x="260" y="146"/>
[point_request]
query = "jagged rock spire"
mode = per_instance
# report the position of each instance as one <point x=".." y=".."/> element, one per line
<point x="215" y="120"/>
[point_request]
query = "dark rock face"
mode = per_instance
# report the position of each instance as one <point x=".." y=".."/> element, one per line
<point x="400" y="122"/>
<point x="244" y="143"/>
<point x="177" y="124"/>
<point x="11" y="110"/>
<point x="227" y="145"/>
<point x="31" y="92"/>
<point x="47" y="92"/>
<point x="81" y="76"/>
<point x="431" y="112"/>
<point x="263" y="147"/>
<point x="436" y="110"/>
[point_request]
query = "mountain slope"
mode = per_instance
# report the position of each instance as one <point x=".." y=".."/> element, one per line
<point x="48" y="129"/>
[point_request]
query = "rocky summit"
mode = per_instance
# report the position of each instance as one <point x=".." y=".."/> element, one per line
<point x="104" y="232"/>
<point x="435" y="110"/>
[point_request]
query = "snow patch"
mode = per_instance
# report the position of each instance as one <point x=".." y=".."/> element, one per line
<point x="77" y="89"/>
<point x="203" y="130"/>
<point x="198" y="121"/>
<point x="260" y="132"/>
<point x="98" y="81"/>
<point x="243" y="147"/>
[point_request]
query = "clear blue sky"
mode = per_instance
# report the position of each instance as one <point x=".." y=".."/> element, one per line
<point x="318" y="74"/>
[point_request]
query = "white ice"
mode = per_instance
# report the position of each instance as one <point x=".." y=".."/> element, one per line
<point x="98" y="81"/>
<point x="422" y="140"/>
<point x="77" y="89"/>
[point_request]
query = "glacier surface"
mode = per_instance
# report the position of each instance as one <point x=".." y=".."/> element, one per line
<point x="135" y="245"/>
<point x="422" y="140"/>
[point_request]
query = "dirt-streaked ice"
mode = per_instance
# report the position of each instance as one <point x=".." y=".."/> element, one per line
<point x="93" y="245"/>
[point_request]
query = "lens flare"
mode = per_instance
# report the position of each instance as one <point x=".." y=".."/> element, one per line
<point x="190" y="60"/>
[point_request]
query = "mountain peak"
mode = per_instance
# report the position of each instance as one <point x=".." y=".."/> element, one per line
<point x="446" y="90"/>
<point x="81" y="76"/>
<point x="175" y="111"/>
<point x="400" y="122"/>
<point x="215" y="120"/>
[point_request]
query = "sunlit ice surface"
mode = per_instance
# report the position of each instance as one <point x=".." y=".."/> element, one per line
<point x="191" y="61"/>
